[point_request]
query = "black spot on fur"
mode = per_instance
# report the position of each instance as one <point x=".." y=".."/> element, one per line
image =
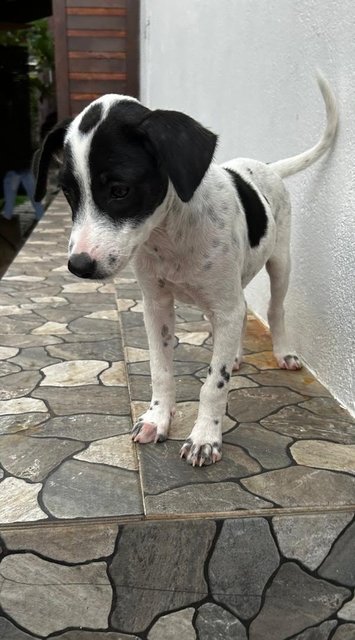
<point x="161" y="282"/>
<point x="254" y="209"/>
<point x="156" y="402"/>
<point x="224" y="373"/>
<point x="112" y="259"/>
<point x="216" y="421"/>
<point x="250" y="171"/>
<point x="220" y="384"/>
<point x="91" y="118"/>
<point x="164" y="330"/>
<point x="209" y="370"/>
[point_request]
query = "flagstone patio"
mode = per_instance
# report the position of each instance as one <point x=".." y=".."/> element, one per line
<point x="104" y="539"/>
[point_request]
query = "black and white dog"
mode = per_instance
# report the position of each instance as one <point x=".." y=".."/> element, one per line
<point x="142" y="186"/>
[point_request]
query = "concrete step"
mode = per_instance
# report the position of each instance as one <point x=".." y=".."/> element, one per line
<point x="104" y="539"/>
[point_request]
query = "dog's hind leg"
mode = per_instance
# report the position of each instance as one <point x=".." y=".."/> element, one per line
<point x="239" y="355"/>
<point x="278" y="268"/>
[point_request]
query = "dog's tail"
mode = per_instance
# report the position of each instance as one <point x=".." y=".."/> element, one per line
<point x="289" y="166"/>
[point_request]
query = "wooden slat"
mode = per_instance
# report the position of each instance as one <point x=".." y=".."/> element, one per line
<point x="95" y="11"/>
<point x="96" y="33"/>
<point x="90" y="75"/>
<point x="100" y="22"/>
<point x="84" y="96"/>
<point x="93" y="3"/>
<point x="100" y="55"/>
<point x="96" y="65"/>
<point x="97" y="86"/>
<point x="96" y="44"/>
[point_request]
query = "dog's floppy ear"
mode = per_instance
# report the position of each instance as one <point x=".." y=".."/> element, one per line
<point x="183" y="147"/>
<point x="52" y="143"/>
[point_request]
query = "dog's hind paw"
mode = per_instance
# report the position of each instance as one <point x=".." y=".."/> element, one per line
<point x="199" y="455"/>
<point x="290" y="362"/>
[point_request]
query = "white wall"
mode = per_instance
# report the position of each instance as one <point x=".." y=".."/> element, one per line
<point x="245" y="68"/>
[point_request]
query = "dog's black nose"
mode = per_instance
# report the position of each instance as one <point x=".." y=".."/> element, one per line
<point x="82" y="265"/>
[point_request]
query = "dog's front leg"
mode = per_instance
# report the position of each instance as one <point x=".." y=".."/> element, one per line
<point x="159" y="318"/>
<point x="204" y="444"/>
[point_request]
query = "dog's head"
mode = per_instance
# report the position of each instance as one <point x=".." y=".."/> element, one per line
<point x="118" y="160"/>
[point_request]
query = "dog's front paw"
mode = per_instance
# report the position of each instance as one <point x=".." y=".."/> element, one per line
<point x="152" y="426"/>
<point x="200" y="451"/>
<point x="289" y="361"/>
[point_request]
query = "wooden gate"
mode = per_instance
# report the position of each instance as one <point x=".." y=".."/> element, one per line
<point x="96" y="51"/>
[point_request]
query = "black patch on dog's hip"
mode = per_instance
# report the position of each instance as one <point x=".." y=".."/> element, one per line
<point x="91" y="118"/>
<point x="254" y="209"/>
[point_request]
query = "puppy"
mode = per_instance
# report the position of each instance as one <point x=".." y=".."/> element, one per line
<point x="142" y="186"/>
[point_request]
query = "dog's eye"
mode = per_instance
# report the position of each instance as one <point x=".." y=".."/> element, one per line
<point x="118" y="191"/>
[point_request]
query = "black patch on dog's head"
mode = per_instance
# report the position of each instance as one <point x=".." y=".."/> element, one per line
<point x="127" y="183"/>
<point x="91" y="118"/>
<point x="182" y="146"/>
<point x="254" y="209"/>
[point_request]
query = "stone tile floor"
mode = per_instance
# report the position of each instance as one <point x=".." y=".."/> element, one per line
<point x="100" y="539"/>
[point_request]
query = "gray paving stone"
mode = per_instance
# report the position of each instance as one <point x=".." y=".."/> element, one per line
<point x="244" y="558"/>
<point x="187" y="388"/>
<point x="300" y="381"/>
<point x="325" y="455"/>
<point x="299" y="423"/>
<point x="20" y="422"/>
<point x="267" y="447"/>
<point x="136" y="337"/>
<point x="94" y="635"/>
<point x="34" y="358"/>
<point x="345" y="632"/>
<point x="192" y="353"/>
<point x="215" y="623"/>
<point x="180" y="368"/>
<point x="44" y="597"/>
<point x="249" y="405"/>
<point x="71" y="543"/>
<point x="33" y="459"/>
<point x="17" y="385"/>
<point x="83" y="489"/>
<point x="308" y="538"/>
<point x="163" y="469"/>
<point x="204" y="498"/>
<point x="158" y="567"/>
<point x="174" y="626"/>
<point x="340" y="564"/>
<point x="317" y="633"/>
<point x="8" y="631"/>
<point x="347" y="612"/>
<point x="7" y="368"/>
<point x="84" y="427"/>
<point x="90" y="399"/>
<point x="108" y="349"/>
<point x="295" y="601"/>
<point x="327" y="407"/>
<point x="29" y="340"/>
<point x="303" y="486"/>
